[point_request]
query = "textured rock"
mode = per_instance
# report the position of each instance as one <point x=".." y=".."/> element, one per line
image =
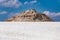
<point x="30" y="16"/>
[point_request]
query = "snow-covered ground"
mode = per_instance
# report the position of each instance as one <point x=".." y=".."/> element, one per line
<point x="29" y="31"/>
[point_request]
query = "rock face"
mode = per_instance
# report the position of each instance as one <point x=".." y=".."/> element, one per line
<point x="30" y="16"/>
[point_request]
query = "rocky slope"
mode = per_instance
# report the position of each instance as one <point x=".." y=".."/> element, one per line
<point x="30" y="16"/>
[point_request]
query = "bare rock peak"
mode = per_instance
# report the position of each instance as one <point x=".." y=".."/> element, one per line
<point x="32" y="10"/>
<point x="31" y="16"/>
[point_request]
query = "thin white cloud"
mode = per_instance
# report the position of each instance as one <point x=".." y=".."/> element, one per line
<point x="3" y="12"/>
<point x="31" y="2"/>
<point x="10" y="3"/>
<point x="14" y="3"/>
<point x="26" y="2"/>
<point x="51" y="14"/>
<point x="1" y="1"/>
<point x="12" y="14"/>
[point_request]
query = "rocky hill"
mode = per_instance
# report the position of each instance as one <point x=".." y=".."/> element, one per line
<point x="30" y="16"/>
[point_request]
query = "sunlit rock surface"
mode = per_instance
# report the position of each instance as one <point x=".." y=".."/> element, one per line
<point x="30" y="16"/>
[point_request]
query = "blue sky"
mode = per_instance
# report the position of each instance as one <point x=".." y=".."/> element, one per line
<point x="9" y="8"/>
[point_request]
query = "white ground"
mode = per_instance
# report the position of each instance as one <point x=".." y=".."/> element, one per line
<point x="30" y="31"/>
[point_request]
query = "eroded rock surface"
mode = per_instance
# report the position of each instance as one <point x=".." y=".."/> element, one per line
<point x="30" y="16"/>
